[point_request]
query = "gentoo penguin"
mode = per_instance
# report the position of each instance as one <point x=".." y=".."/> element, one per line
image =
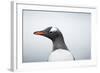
<point x="60" y="51"/>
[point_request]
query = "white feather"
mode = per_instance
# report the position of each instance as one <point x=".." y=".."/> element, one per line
<point x="53" y="29"/>
<point x="60" y="55"/>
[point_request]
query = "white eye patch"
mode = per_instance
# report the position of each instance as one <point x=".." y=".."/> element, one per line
<point x="53" y="29"/>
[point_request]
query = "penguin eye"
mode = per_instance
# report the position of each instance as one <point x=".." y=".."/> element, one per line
<point x="50" y="32"/>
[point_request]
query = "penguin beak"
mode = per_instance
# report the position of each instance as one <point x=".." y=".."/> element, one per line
<point x="39" y="33"/>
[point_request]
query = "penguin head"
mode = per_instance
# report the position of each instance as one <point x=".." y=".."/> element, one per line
<point x="50" y="32"/>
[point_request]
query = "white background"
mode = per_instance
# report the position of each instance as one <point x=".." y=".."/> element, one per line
<point x="5" y="37"/>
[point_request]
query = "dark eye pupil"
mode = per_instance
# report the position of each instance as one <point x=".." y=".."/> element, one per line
<point x="50" y="31"/>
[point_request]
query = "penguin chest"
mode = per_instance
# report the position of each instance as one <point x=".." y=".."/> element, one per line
<point x="60" y="55"/>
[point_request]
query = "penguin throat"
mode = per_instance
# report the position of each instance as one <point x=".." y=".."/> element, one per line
<point x="59" y="43"/>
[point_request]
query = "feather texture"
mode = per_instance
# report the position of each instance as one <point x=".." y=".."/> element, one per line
<point x="60" y="55"/>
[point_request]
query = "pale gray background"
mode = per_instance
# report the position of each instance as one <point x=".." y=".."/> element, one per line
<point x="74" y="26"/>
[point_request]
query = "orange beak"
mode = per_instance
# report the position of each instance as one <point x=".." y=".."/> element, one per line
<point x="39" y="33"/>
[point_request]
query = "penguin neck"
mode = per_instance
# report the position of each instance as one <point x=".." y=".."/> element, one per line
<point x="59" y="43"/>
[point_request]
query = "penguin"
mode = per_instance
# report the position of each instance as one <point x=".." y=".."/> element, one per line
<point x="60" y="51"/>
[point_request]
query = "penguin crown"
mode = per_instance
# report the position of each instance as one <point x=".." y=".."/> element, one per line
<point x="53" y="29"/>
